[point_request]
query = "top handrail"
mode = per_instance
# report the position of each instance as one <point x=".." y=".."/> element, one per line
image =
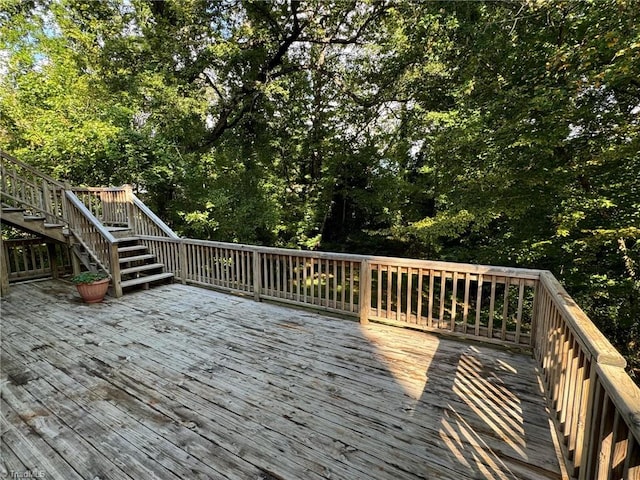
<point x="97" y="189"/>
<point x="590" y="337"/>
<point x="153" y="217"/>
<point x="524" y="273"/>
<point x="36" y="172"/>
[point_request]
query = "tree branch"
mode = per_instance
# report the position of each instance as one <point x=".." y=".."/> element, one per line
<point x="249" y="92"/>
<point x="213" y="85"/>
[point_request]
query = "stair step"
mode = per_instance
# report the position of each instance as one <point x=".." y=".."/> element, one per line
<point x="132" y="248"/>
<point x="119" y="231"/>
<point x="141" y="268"/>
<point x="146" y="279"/>
<point x="137" y="258"/>
<point x="12" y="209"/>
<point x="127" y="239"/>
<point x="53" y="225"/>
<point x="34" y="218"/>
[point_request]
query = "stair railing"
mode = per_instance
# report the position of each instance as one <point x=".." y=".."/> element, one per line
<point x="86" y="210"/>
<point x="107" y="204"/>
<point x="99" y="243"/>
<point x="120" y="207"/>
<point x="25" y="187"/>
<point x="94" y="209"/>
<point x="144" y="222"/>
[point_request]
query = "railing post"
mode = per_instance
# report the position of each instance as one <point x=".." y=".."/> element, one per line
<point x="76" y="268"/>
<point x="533" y="340"/>
<point x="46" y="202"/>
<point x="131" y="219"/>
<point x="257" y="275"/>
<point x="53" y="260"/>
<point x="585" y="417"/>
<point x="65" y="205"/>
<point x="114" y="260"/>
<point x="588" y="438"/>
<point x="4" y="270"/>
<point x="364" y="288"/>
<point x="182" y="259"/>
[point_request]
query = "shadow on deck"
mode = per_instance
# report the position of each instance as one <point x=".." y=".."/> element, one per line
<point x="181" y="382"/>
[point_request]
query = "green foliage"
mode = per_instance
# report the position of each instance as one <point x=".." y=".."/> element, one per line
<point x="493" y="132"/>
<point x="88" y="277"/>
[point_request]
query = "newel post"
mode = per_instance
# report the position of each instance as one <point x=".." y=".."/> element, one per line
<point x="257" y="275"/>
<point x="114" y="261"/>
<point x="365" y="291"/>
<point x="46" y="202"/>
<point x="70" y="216"/>
<point x="534" y="341"/>
<point x="131" y="220"/>
<point x="64" y="205"/>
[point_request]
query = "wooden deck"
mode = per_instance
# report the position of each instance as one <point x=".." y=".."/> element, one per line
<point x="181" y="382"/>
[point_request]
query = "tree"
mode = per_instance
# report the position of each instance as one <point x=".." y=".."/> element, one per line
<point x="493" y="132"/>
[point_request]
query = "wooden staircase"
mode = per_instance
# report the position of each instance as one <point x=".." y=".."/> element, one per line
<point x="25" y="220"/>
<point x="103" y="227"/>
<point x="138" y="266"/>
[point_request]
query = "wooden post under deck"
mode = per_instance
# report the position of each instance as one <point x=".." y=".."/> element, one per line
<point x="76" y="267"/>
<point x="53" y="260"/>
<point x="4" y="271"/>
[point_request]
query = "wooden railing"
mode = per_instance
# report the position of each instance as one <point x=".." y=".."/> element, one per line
<point x="88" y="211"/>
<point x="328" y="281"/>
<point x="491" y="303"/>
<point x="110" y="205"/>
<point x="324" y="281"/>
<point x="119" y="207"/>
<point x="33" y="258"/>
<point x="144" y="222"/>
<point x="95" y="238"/>
<point x="595" y="405"/>
<point x="23" y="186"/>
<point x="495" y="304"/>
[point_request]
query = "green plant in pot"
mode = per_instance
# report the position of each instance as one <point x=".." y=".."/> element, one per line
<point x="92" y="286"/>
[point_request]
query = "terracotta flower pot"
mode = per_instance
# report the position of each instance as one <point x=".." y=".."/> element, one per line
<point x="93" y="292"/>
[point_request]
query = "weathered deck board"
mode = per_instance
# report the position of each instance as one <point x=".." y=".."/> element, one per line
<point x="179" y="382"/>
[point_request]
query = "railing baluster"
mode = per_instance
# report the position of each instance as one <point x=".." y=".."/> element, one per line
<point x="389" y="308"/>
<point x="419" y="317"/>
<point x="519" y="311"/>
<point x="443" y="292"/>
<point x="431" y="293"/>
<point x="465" y="308"/>
<point x="334" y="265"/>
<point x="479" y="305"/>
<point x="352" y="291"/>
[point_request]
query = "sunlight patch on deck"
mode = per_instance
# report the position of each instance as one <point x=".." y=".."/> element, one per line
<point x="478" y="384"/>
<point x="412" y="384"/>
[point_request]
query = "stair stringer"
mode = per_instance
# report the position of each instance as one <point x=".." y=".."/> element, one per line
<point x="16" y="218"/>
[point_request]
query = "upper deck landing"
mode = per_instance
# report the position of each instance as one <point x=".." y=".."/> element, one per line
<point x="181" y="382"/>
